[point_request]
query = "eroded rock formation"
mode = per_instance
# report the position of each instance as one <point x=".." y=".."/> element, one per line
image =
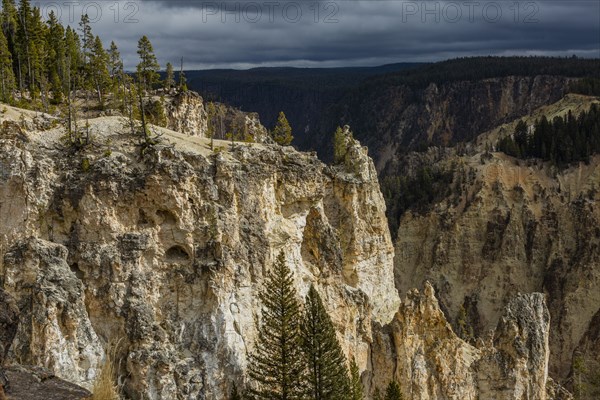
<point x="166" y="253"/>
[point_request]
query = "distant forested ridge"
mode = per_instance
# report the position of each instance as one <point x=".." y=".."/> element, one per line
<point x="317" y="100"/>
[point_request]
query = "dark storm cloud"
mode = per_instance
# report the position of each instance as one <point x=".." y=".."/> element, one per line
<point x="238" y="34"/>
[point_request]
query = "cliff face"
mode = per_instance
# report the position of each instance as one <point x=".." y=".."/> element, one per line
<point x="394" y="119"/>
<point x="513" y="226"/>
<point x="420" y="349"/>
<point x="188" y="113"/>
<point x="166" y="255"/>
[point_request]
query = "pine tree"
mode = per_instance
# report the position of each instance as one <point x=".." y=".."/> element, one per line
<point x="115" y="72"/>
<point x="393" y="391"/>
<point x="115" y="65"/>
<point x="356" y="388"/>
<point x="38" y="53"/>
<point x="87" y="38"/>
<point x="339" y="146"/>
<point x="170" y="78"/>
<point x="147" y="69"/>
<point x="74" y="61"/>
<point x="55" y="62"/>
<point x="23" y="45"/>
<point x="282" y="133"/>
<point x="277" y="365"/>
<point x="182" y="79"/>
<point x="328" y="374"/>
<point x="9" y="25"/>
<point x="7" y="78"/>
<point x="99" y="68"/>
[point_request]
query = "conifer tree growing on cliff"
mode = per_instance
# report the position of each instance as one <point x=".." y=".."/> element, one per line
<point x="277" y="366"/>
<point x="356" y="388"/>
<point x="393" y="391"/>
<point x="327" y="371"/>
<point x="282" y="133"/>
<point x="339" y="146"/>
<point x="170" y="78"/>
<point x="147" y="69"/>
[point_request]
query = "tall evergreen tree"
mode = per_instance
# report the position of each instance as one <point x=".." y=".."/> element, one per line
<point x="182" y="78"/>
<point x="74" y="60"/>
<point x="99" y="68"/>
<point x="55" y="61"/>
<point x="328" y="374"/>
<point x="147" y="69"/>
<point x="170" y="78"/>
<point x="38" y="34"/>
<point x="9" y="23"/>
<point x="277" y="366"/>
<point x="339" y="146"/>
<point x="87" y="38"/>
<point x="282" y="133"/>
<point x="7" y="78"/>
<point x="115" y="65"/>
<point x="23" y="45"/>
<point x="356" y="388"/>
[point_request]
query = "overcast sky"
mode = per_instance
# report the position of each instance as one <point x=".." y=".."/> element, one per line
<point x="244" y="34"/>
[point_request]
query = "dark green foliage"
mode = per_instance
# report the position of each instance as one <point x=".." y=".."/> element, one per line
<point x="115" y="64"/>
<point x="416" y="192"/>
<point x="587" y="86"/>
<point x="478" y="68"/>
<point x="356" y="388"/>
<point x="147" y="69"/>
<point x="561" y="141"/>
<point x="154" y="111"/>
<point x="393" y="391"/>
<point x="282" y="133"/>
<point x="170" y="77"/>
<point x="339" y="146"/>
<point x="7" y="77"/>
<point x="328" y="374"/>
<point x="278" y="366"/>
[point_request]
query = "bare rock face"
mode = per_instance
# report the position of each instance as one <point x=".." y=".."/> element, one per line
<point x="9" y="322"/>
<point x="167" y="255"/>
<point x="55" y="330"/>
<point x="186" y="114"/>
<point x="420" y="350"/>
<point x="35" y="383"/>
<point x="511" y="228"/>
<point x="517" y="366"/>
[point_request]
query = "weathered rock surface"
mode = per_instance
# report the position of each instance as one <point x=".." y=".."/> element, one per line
<point x="420" y="349"/>
<point x="34" y="383"/>
<point x="167" y="254"/>
<point x="187" y="113"/>
<point x="513" y="226"/>
<point x="9" y="322"/>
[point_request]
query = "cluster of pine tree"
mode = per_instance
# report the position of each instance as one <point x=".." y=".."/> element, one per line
<point x="298" y="356"/>
<point x="42" y="62"/>
<point x="561" y="141"/>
